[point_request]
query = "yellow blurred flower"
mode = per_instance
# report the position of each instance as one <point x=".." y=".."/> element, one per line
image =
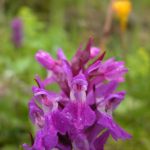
<point x="122" y="9"/>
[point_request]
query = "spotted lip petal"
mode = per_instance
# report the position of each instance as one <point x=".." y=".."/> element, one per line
<point x="79" y="114"/>
<point x="115" y="130"/>
<point x="104" y="66"/>
<point x="59" y="122"/>
<point x="49" y="142"/>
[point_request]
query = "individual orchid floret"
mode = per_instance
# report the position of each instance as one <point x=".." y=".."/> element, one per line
<point x="94" y="52"/>
<point x="110" y="70"/>
<point x="106" y="107"/>
<point x="113" y="70"/>
<point x="103" y="90"/>
<point x="78" y="111"/>
<point x="54" y="69"/>
<point x="49" y="102"/>
<point x="36" y="114"/>
<point x="97" y="95"/>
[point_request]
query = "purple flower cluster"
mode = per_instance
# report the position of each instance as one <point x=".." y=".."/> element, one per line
<point x="16" y="26"/>
<point x="74" y="118"/>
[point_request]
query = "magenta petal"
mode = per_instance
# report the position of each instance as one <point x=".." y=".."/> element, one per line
<point x="68" y="71"/>
<point x="39" y="82"/>
<point x="38" y="140"/>
<point x="79" y="79"/>
<point x="90" y="98"/>
<point x="60" y="54"/>
<point x="118" y="99"/>
<point x="49" y="127"/>
<point x="104" y="66"/>
<point x="49" y="80"/>
<point x="37" y="143"/>
<point x="79" y="114"/>
<point x="116" y="131"/>
<point x="59" y="122"/>
<point x="97" y="80"/>
<point x="115" y="74"/>
<point x="119" y="133"/>
<point x="50" y="142"/>
<point x="101" y="140"/>
<point x="121" y="79"/>
<point x="75" y="63"/>
<point x="92" y="67"/>
<point x="105" y="89"/>
<point x="85" y="55"/>
<point x="115" y="97"/>
<point x="97" y="128"/>
<point x="115" y="65"/>
<point x="27" y="147"/>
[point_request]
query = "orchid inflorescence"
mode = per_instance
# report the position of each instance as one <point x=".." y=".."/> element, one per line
<point x="17" y="33"/>
<point x="74" y="118"/>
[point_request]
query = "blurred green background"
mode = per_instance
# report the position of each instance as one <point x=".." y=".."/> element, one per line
<point x="48" y="24"/>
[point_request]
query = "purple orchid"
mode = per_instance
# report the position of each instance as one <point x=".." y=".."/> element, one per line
<point x="75" y="117"/>
<point x="16" y="26"/>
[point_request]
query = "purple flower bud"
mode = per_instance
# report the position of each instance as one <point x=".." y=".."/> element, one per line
<point x="45" y="59"/>
<point x="94" y="52"/>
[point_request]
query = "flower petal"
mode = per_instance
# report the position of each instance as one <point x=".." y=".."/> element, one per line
<point x="59" y="122"/>
<point x="101" y="140"/>
<point x="79" y="114"/>
<point x="105" y="89"/>
<point x="104" y="66"/>
<point x="115" y="130"/>
<point x="49" y="142"/>
<point x="60" y="54"/>
<point x="92" y="67"/>
<point x="68" y="71"/>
